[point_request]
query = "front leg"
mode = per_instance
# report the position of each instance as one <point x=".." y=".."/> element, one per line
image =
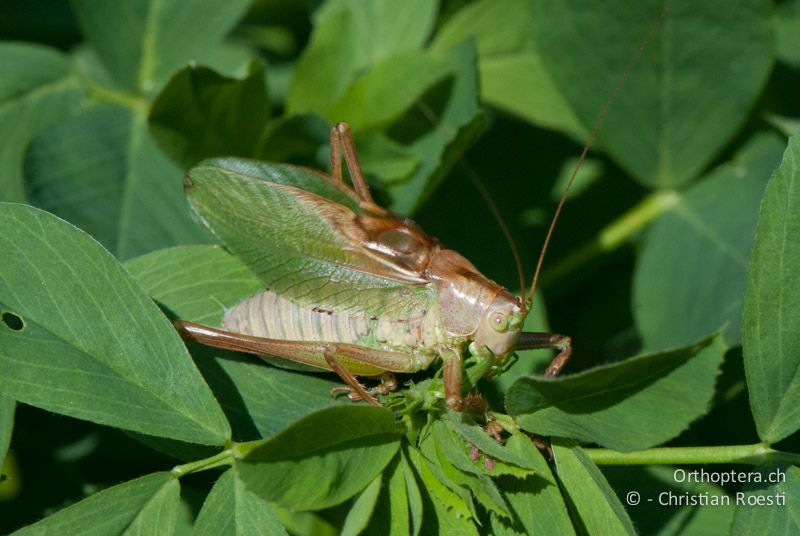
<point x="534" y="341"/>
<point x="452" y="377"/>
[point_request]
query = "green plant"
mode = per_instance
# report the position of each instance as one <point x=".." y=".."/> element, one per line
<point x="689" y="260"/>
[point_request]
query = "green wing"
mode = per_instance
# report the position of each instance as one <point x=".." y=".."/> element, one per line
<point x="283" y="222"/>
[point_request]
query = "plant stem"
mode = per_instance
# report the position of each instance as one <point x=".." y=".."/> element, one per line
<point x="615" y="233"/>
<point x="119" y="98"/>
<point x="221" y="458"/>
<point x="750" y="454"/>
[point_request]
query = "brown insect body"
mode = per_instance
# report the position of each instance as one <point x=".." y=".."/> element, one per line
<point x="431" y="300"/>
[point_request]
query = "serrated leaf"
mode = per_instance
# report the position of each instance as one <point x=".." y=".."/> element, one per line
<point x="87" y="341"/>
<point x="771" y="337"/>
<point x="101" y="171"/>
<point x="142" y="42"/>
<point x="461" y="470"/>
<point x="344" y="446"/>
<point x="149" y="502"/>
<point x="475" y="435"/>
<point x="159" y="514"/>
<point x="413" y="492"/>
<point x="304" y="523"/>
<point x="691" y="273"/>
<point x="630" y="405"/>
<point x="512" y="76"/>
<point x="391" y="515"/>
<point x="535" y="502"/>
<point x="769" y="508"/>
<point x="37" y="89"/>
<point x="200" y="114"/>
<point x="692" y="96"/>
<point x="598" y="509"/>
<point x="359" y="514"/>
<point x="433" y="485"/>
<point x="231" y="509"/>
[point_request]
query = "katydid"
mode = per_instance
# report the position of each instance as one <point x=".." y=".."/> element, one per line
<point x="350" y="287"/>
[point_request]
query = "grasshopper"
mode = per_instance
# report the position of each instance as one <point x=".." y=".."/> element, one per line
<point x="352" y="288"/>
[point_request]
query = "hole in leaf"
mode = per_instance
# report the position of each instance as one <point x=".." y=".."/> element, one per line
<point x="13" y="321"/>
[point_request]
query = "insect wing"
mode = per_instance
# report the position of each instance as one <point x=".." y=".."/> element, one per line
<point x="306" y="238"/>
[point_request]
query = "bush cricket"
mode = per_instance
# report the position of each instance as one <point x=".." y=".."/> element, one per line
<point x="350" y="287"/>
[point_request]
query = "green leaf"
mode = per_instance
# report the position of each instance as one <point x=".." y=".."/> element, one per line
<point x="86" y="341"/>
<point x="344" y="447"/>
<point x="771" y="337"/>
<point x="200" y="114"/>
<point x="198" y="283"/>
<point x="379" y="96"/>
<point x="195" y="283"/>
<point x="145" y="505"/>
<point x="37" y="89"/>
<point x="691" y="274"/>
<point x="7" y="407"/>
<point x="359" y="514"/>
<point x="626" y="406"/>
<point x="787" y="28"/>
<point x="656" y="486"/>
<point x="158" y="516"/>
<point x="535" y="502"/>
<point x="692" y="88"/>
<point x="101" y="171"/>
<point x="292" y="138"/>
<point x="512" y="76"/>
<point x="473" y="434"/>
<point x="391" y="514"/>
<point x="455" y="127"/>
<point x="142" y="42"/>
<point x="456" y="464"/>
<point x="231" y="509"/>
<point x="383" y="157"/>
<point x="415" y="506"/>
<point x="598" y="509"/>
<point x="374" y="31"/>
<point x="447" y="505"/>
<point x="769" y="508"/>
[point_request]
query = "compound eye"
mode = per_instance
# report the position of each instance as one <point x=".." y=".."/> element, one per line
<point x="499" y="322"/>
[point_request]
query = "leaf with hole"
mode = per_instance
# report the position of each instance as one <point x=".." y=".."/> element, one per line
<point x="92" y="345"/>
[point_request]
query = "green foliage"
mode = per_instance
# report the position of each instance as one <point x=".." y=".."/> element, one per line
<point x="772" y="305"/>
<point x="682" y="301"/>
<point x="757" y="517"/>
<point x="631" y="405"/>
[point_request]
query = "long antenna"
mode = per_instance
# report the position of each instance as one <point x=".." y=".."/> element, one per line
<point x="477" y="182"/>
<point x="592" y="136"/>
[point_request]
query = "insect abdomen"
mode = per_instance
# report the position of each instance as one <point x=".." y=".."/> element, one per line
<point x="268" y="315"/>
<point x="271" y="316"/>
